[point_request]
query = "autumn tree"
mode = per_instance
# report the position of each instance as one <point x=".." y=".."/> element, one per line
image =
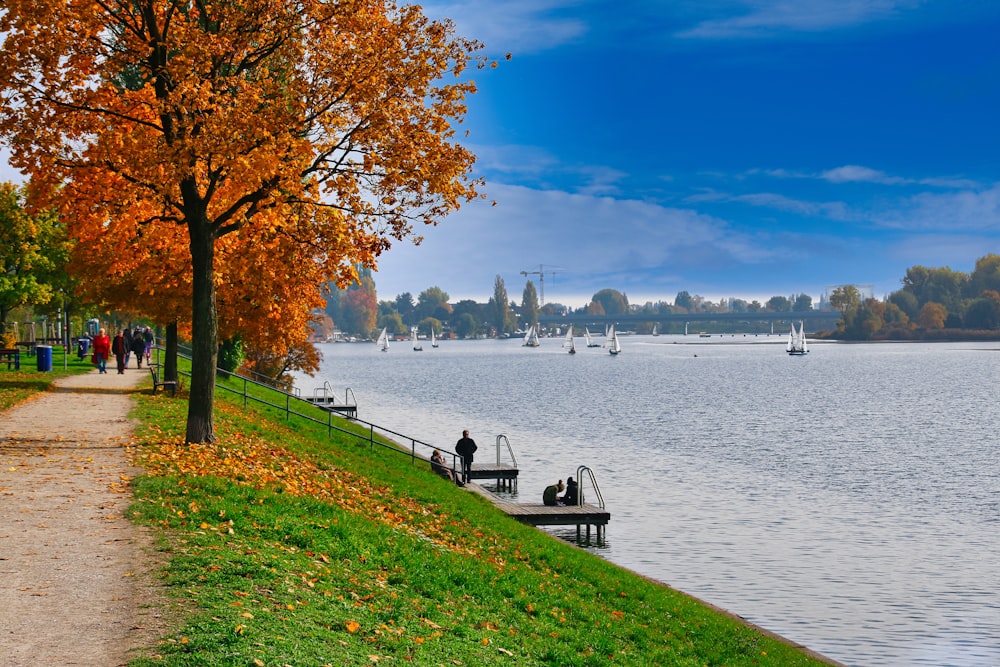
<point x="612" y="301"/>
<point x="235" y="141"/>
<point x="986" y="276"/>
<point x="802" y="303"/>
<point x="932" y="316"/>
<point x="359" y="307"/>
<point x="33" y="253"/>
<point x="529" y="304"/>
<point x="779" y="304"/>
<point x="405" y="306"/>
<point x="432" y="302"/>
<point x="499" y="308"/>
<point x="984" y="312"/>
<point x="392" y="323"/>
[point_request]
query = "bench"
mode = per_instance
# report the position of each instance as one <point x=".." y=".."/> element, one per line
<point x="12" y="356"/>
<point x="166" y="384"/>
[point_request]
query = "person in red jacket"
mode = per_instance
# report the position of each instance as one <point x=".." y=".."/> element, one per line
<point x="102" y="349"/>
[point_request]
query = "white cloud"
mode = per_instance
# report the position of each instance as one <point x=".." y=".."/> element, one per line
<point x="852" y="173"/>
<point x="953" y="211"/>
<point x="857" y="174"/>
<point x="591" y="239"/>
<point x="519" y="26"/>
<point x="833" y="210"/>
<point x="762" y="18"/>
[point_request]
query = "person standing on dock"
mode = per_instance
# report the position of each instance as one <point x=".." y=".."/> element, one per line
<point x="465" y="448"/>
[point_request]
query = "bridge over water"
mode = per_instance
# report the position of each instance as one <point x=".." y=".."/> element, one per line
<point x="813" y="319"/>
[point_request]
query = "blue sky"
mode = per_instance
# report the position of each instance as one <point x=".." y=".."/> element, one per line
<point x="729" y="148"/>
<point x="744" y="148"/>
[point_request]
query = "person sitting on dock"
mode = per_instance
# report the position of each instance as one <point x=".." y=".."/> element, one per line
<point x="440" y="466"/>
<point x="551" y="493"/>
<point x="570" y="497"/>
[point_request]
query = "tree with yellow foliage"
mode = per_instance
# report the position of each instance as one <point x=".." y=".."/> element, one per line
<point x="218" y="151"/>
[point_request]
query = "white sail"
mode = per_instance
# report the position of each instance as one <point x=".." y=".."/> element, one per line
<point x="434" y="342"/>
<point x="655" y="332"/>
<point x="530" y="338"/>
<point x="417" y="347"/>
<point x="797" y="340"/>
<point x="383" y="341"/>
<point x="590" y="340"/>
<point x="614" y="347"/>
<point x="569" y="340"/>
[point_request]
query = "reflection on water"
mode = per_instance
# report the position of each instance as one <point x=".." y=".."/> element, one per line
<point x="846" y="499"/>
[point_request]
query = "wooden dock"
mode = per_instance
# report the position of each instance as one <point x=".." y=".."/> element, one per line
<point x="505" y="475"/>
<point x="537" y="514"/>
<point x="348" y="410"/>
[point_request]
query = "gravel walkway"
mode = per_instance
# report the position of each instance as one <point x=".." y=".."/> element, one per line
<point x="75" y="575"/>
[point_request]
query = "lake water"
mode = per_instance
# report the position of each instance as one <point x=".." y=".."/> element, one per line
<point x="848" y="500"/>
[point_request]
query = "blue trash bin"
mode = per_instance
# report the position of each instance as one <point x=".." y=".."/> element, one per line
<point x="43" y="354"/>
<point x="82" y="346"/>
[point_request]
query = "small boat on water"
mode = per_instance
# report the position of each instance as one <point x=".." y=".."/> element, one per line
<point x="417" y="347"/>
<point x="614" y="347"/>
<point x="434" y="342"/>
<point x="531" y="338"/>
<point x="383" y="341"/>
<point x="590" y="340"/>
<point x="655" y="332"/>
<point x="569" y="340"/>
<point x="797" y="341"/>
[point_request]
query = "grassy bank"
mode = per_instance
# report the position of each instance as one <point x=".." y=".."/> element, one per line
<point x="17" y="385"/>
<point x="289" y="548"/>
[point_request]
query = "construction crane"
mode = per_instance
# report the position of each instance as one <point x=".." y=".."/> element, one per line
<point x="541" y="280"/>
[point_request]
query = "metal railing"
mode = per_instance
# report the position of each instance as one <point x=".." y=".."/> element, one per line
<point x="593" y="483"/>
<point x="510" y="450"/>
<point x="292" y="402"/>
<point x="326" y="397"/>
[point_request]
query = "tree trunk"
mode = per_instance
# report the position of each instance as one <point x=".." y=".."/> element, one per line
<point x="204" y="336"/>
<point x="170" y="353"/>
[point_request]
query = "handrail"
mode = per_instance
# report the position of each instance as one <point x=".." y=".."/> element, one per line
<point x="593" y="482"/>
<point x="510" y="450"/>
<point x="369" y="438"/>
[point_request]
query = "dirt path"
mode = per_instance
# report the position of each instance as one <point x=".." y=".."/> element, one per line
<point x="74" y="573"/>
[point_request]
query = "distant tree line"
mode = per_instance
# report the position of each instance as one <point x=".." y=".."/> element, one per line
<point x="355" y="310"/>
<point x="932" y="303"/>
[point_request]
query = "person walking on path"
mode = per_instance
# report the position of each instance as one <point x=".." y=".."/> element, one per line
<point x="102" y="350"/>
<point x="147" y="339"/>
<point x="120" y="346"/>
<point x="78" y="577"/>
<point x="466" y="448"/>
<point x="138" y="346"/>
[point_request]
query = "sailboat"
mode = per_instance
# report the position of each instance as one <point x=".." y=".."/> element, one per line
<point x="614" y="347"/>
<point x="797" y="340"/>
<point x="530" y="338"/>
<point x="569" y="340"/>
<point x="434" y="342"/>
<point x="383" y="341"/>
<point x="417" y="347"/>
<point x="590" y="341"/>
<point x="655" y="332"/>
